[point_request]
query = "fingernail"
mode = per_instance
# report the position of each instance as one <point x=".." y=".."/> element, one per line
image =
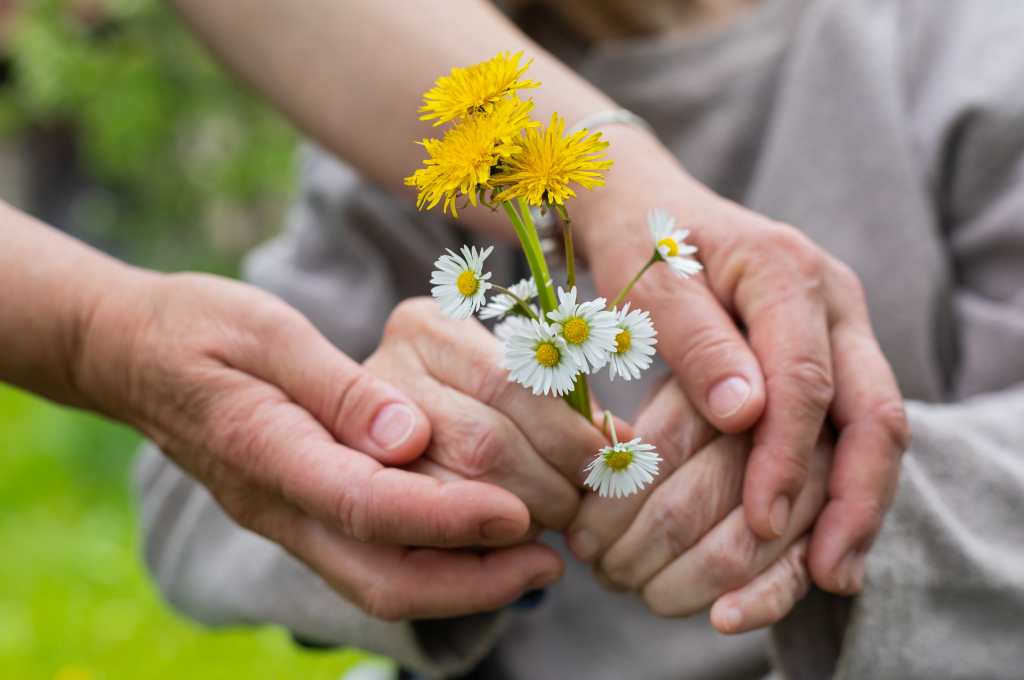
<point x="542" y="580"/>
<point x="583" y="545"/>
<point x="728" y="396"/>
<point x="392" y="426"/>
<point x="730" y="618"/>
<point x="501" y="528"/>
<point x="778" y="518"/>
<point x="851" y="573"/>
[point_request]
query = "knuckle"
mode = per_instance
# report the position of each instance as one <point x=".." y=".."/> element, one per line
<point x="709" y="348"/>
<point x="478" y="452"/>
<point x="796" y="570"/>
<point x="892" y="415"/>
<point x="350" y="394"/>
<point x="352" y="511"/>
<point x="792" y="467"/>
<point x="676" y="522"/>
<point x="730" y="561"/>
<point x="847" y="280"/>
<point x="489" y="381"/>
<point x="788" y="244"/>
<point x="812" y="380"/>
<point x="409" y="313"/>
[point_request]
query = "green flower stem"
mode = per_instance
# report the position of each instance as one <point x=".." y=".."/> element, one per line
<point x="534" y="257"/>
<point x="520" y="302"/>
<point x="525" y="229"/>
<point x="609" y="427"/>
<point x="629" y="286"/>
<point x="570" y="252"/>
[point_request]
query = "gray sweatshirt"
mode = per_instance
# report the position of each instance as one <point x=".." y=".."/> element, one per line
<point x="892" y="132"/>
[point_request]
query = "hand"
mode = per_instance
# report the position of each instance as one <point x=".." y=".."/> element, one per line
<point x="484" y="426"/>
<point x="298" y="443"/>
<point x="811" y="349"/>
<point x="684" y="543"/>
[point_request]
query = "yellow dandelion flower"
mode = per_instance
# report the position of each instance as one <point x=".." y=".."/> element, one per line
<point x="549" y="161"/>
<point x="461" y="163"/>
<point x="475" y="89"/>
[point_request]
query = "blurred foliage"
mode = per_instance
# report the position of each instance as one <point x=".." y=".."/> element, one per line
<point x="180" y="150"/>
<point x="75" y="601"/>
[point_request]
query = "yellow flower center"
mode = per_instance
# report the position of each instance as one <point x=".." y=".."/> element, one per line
<point x="623" y="341"/>
<point x="618" y="460"/>
<point x="467" y="283"/>
<point x="670" y="243"/>
<point x="575" y="330"/>
<point x="548" y="355"/>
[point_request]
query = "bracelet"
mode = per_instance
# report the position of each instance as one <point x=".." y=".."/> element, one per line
<point x="611" y="117"/>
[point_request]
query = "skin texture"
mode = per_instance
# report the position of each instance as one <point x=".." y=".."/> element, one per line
<point x="806" y="350"/>
<point x="775" y="319"/>
<point x="683" y="544"/>
<point x="242" y="392"/>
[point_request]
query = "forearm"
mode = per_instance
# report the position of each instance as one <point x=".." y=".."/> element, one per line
<point x="51" y="285"/>
<point x="351" y="73"/>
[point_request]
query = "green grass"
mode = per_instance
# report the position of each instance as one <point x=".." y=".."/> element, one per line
<point x="75" y="601"/>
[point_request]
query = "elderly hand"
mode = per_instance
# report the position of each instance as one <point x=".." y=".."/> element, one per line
<point x="484" y="426"/>
<point x="300" y="444"/>
<point x="811" y="351"/>
<point x="684" y="543"/>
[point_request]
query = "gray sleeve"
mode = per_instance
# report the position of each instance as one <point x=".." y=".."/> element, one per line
<point x="212" y="570"/>
<point x="944" y="593"/>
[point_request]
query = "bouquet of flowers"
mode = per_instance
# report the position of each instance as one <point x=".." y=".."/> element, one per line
<point x="493" y="153"/>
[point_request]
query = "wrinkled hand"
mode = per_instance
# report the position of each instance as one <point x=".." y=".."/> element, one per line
<point x="811" y="350"/>
<point x="484" y="426"/>
<point x="684" y="543"/>
<point x="299" y="443"/>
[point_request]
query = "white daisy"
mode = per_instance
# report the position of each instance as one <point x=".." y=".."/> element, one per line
<point x="537" y="358"/>
<point x="634" y="343"/>
<point x="460" y="284"/>
<point x="587" y="328"/>
<point x="501" y="304"/>
<point x="513" y="325"/>
<point x="671" y="243"/>
<point x="622" y="469"/>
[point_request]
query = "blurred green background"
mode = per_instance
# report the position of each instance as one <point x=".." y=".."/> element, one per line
<point x="116" y="127"/>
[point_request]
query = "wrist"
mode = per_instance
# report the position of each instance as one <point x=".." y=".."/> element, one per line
<point x="105" y="327"/>
<point x="645" y="175"/>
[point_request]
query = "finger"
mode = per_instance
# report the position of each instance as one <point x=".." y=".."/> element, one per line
<point x="768" y="598"/>
<point x="678" y="512"/>
<point x="873" y="434"/>
<point x="468" y="358"/>
<point x="479" y="443"/>
<point x="358" y="409"/>
<point x="789" y="333"/>
<point x="387" y="581"/>
<point x="672" y="425"/>
<point x="267" y="442"/>
<point x="731" y="554"/>
<point x="704" y="348"/>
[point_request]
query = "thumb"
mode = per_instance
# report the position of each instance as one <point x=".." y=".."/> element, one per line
<point x="357" y="408"/>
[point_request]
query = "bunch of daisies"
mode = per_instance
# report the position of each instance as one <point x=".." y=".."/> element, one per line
<point x="493" y="154"/>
